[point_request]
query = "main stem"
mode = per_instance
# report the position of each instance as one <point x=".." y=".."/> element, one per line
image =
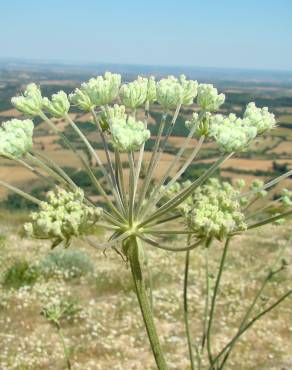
<point x="135" y="248"/>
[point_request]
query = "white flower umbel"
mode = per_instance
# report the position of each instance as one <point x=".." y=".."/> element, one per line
<point x="98" y="91"/>
<point x="16" y="138"/>
<point x="134" y="94"/>
<point x="62" y="217"/>
<point x="190" y="90"/>
<point x="128" y="134"/>
<point x="260" y="118"/>
<point x="216" y="211"/>
<point x="231" y="133"/>
<point x="169" y="92"/>
<point x="31" y="102"/>
<point x="110" y="113"/>
<point x="58" y="106"/>
<point x="201" y="124"/>
<point x="151" y="90"/>
<point x="208" y="98"/>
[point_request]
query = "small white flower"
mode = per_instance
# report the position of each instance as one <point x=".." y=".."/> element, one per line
<point x="260" y="118"/>
<point x="134" y="94"/>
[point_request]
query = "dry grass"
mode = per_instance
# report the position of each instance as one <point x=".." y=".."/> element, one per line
<point x="107" y="333"/>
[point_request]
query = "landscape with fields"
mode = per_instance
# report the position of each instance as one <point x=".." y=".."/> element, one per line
<point x="101" y="323"/>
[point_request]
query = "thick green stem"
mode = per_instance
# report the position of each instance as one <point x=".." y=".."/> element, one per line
<point x="134" y="253"/>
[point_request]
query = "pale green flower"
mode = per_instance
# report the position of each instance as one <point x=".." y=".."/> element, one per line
<point x="81" y="100"/>
<point x="216" y="211"/>
<point x="151" y="90"/>
<point x="260" y="118"/>
<point x="286" y="198"/>
<point x="190" y="90"/>
<point x="169" y="92"/>
<point x="62" y="217"/>
<point x="58" y="106"/>
<point x="208" y="97"/>
<point x="134" y="94"/>
<point x="30" y="102"/>
<point x="231" y="133"/>
<point x="128" y="134"/>
<point x="16" y="138"/>
<point x="110" y="113"/>
<point x="202" y="124"/>
<point x="256" y="185"/>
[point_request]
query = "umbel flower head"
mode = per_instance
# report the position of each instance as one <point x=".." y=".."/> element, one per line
<point x="110" y="113"/>
<point x="231" y="133"/>
<point x="16" y="138"/>
<point x="128" y="134"/>
<point x="201" y="124"/>
<point x="216" y="211"/>
<point x="171" y="92"/>
<point x="62" y="217"/>
<point x="134" y="94"/>
<point x="58" y="106"/>
<point x="31" y="102"/>
<point x="208" y="98"/>
<point x="97" y="91"/>
<point x="260" y="118"/>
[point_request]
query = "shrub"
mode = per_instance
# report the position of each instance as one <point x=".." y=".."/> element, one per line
<point x="21" y="273"/>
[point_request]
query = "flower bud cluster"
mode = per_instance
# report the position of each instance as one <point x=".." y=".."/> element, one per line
<point x="208" y="98"/>
<point x="97" y="91"/>
<point x="62" y="217"/>
<point x="256" y="185"/>
<point x="134" y="94"/>
<point x="286" y="198"/>
<point x="128" y="134"/>
<point x="58" y="106"/>
<point x="201" y="123"/>
<point x="231" y="133"/>
<point x="216" y="212"/>
<point x="31" y="102"/>
<point x="111" y="113"/>
<point x="260" y="118"/>
<point x="16" y="138"/>
<point x="171" y="92"/>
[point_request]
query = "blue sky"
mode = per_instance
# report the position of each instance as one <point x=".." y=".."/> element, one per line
<point x="212" y="33"/>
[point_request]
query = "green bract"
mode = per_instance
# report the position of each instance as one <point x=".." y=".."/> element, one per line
<point x="128" y="134"/>
<point x="16" y="138"/>
<point x="208" y="98"/>
<point x="62" y="217"/>
<point x="58" y="106"/>
<point x="260" y="118"/>
<point x="134" y="94"/>
<point x="30" y="102"/>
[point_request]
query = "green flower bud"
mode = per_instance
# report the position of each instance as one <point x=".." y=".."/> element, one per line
<point x="30" y="102"/>
<point x="58" y="106"/>
<point x="16" y="138"/>
<point x="208" y="97"/>
<point x="256" y="185"/>
<point x="128" y="134"/>
<point x="62" y="217"/>
<point x="134" y="94"/>
<point x="260" y="118"/>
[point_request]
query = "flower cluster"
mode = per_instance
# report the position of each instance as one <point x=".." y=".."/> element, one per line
<point x="286" y="198"/>
<point x="134" y="94"/>
<point x="172" y="92"/>
<point x="128" y="134"/>
<point x="260" y="118"/>
<point x="111" y="113"/>
<point x="58" y="106"/>
<point x="62" y="217"/>
<point x="216" y="211"/>
<point x="97" y="91"/>
<point x="208" y="98"/>
<point x="31" y="102"/>
<point x="16" y="138"/>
